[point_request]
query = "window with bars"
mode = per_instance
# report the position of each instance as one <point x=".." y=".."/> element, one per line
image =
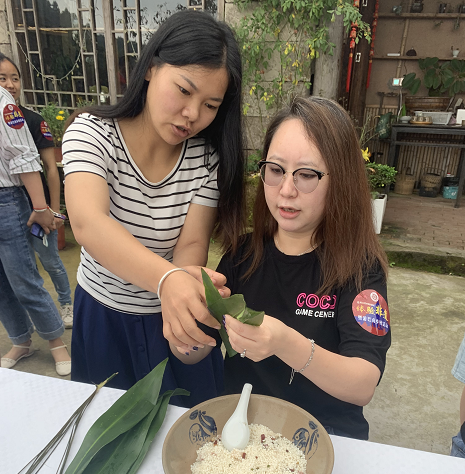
<point x="74" y="52"/>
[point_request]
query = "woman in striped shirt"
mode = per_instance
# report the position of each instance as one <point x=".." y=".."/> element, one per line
<point x="147" y="181"/>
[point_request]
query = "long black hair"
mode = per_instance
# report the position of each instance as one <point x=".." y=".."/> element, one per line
<point x="187" y="38"/>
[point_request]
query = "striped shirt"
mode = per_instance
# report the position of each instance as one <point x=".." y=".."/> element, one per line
<point x="18" y="153"/>
<point x="153" y="213"/>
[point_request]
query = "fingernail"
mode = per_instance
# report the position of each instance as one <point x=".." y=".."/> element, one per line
<point x="224" y="320"/>
<point x="186" y="353"/>
<point x="195" y="348"/>
<point x="221" y="292"/>
<point x="212" y="344"/>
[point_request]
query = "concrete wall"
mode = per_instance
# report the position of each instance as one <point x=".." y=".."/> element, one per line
<point x="5" y="45"/>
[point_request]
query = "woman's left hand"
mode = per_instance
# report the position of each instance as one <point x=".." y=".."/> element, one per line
<point x="259" y="342"/>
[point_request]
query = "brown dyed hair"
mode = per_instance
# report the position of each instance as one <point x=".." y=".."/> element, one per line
<point x="351" y="247"/>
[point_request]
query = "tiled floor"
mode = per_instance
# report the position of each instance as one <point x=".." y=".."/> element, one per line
<point x="431" y="224"/>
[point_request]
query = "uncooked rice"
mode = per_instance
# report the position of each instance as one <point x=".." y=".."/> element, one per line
<point x="266" y="453"/>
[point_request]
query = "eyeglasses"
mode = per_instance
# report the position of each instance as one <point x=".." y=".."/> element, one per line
<point x="305" y="179"/>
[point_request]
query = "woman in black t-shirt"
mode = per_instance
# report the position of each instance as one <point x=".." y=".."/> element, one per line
<point x="315" y="266"/>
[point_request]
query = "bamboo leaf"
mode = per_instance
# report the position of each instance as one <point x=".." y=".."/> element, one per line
<point x="252" y="317"/>
<point x="234" y="306"/>
<point x="155" y="426"/>
<point x="123" y="451"/>
<point x="130" y="448"/>
<point x="126" y="412"/>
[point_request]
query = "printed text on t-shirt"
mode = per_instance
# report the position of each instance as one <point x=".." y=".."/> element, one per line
<point x="307" y="304"/>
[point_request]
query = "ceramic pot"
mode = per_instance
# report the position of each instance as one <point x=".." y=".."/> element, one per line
<point x="58" y="154"/>
<point x="61" y="238"/>
<point x="379" y="208"/>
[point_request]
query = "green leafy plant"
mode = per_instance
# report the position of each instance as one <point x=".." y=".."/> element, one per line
<point x="440" y="78"/>
<point x="56" y="117"/>
<point x="380" y="175"/>
<point x="280" y="39"/>
<point x="252" y="162"/>
<point x="234" y="306"/>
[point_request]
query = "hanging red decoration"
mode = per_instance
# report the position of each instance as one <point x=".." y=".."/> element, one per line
<point x="352" y="36"/>
<point x="373" y="36"/>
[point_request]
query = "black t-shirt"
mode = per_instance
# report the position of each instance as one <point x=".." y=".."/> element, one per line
<point x="42" y="137"/>
<point x="344" y="321"/>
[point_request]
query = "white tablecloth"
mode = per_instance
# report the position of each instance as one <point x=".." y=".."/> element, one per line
<point x="33" y="408"/>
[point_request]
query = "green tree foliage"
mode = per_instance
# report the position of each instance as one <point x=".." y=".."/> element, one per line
<point x="286" y="36"/>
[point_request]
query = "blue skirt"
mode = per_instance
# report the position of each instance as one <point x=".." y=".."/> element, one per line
<point x="106" y="341"/>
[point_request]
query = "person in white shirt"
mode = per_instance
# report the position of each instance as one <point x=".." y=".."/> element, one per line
<point x="10" y="79"/>
<point x="25" y="305"/>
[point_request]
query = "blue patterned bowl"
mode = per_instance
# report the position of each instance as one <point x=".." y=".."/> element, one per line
<point x="199" y="424"/>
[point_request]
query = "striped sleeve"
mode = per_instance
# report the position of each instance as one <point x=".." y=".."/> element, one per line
<point x="86" y="146"/>
<point x="18" y="151"/>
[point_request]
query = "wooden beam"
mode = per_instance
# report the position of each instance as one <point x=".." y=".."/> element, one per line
<point x="110" y="48"/>
<point x="357" y="94"/>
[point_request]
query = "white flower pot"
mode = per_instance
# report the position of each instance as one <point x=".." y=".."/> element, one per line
<point x="379" y="207"/>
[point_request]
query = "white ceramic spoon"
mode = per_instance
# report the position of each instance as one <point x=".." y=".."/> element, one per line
<point x="236" y="432"/>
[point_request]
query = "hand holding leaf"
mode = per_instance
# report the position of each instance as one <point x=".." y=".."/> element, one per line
<point x="234" y="306"/>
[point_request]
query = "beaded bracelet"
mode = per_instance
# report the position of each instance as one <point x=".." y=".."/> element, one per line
<point x="162" y="279"/>
<point x="293" y="372"/>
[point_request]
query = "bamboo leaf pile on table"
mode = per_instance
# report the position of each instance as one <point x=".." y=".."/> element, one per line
<point x="119" y="440"/>
<point x="234" y="306"/>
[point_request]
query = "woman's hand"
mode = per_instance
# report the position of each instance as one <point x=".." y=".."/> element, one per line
<point x="183" y="302"/>
<point x="59" y="222"/>
<point x="218" y="279"/>
<point x="259" y="342"/>
<point x="44" y="219"/>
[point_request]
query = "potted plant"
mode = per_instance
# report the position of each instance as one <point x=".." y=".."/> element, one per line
<point x="442" y="79"/>
<point x="56" y="117"/>
<point x="379" y="176"/>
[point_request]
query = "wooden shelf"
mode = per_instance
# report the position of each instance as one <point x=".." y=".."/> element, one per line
<point x="424" y="16"/>
<point x="413" y="57"/>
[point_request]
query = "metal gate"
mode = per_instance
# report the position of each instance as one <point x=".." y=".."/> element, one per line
<point x="74" y="52"/>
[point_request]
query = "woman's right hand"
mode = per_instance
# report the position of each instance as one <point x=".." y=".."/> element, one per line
<point x="45" y="219"/>
<point x="183" y="302"/>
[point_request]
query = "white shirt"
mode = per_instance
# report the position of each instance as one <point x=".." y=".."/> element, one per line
<point x="154" y="213"/>
<point x="18" y="153"/>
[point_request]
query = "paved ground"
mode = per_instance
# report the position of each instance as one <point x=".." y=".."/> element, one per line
<point x="430" y="225"/>
<point x="416" y="404"/>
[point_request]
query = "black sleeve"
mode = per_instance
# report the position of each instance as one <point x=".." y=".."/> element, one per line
<point x="363" y="321"/>
<point x="39" y="129"/>
<point x="232" y="266"/>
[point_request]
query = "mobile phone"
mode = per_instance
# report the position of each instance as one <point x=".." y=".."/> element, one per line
<point x="37" y="231"/>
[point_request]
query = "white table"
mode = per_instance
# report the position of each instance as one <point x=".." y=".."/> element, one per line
<point x="33" y="408"/>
